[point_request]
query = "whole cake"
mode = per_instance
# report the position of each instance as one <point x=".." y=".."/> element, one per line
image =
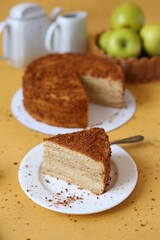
<point x="57" y="87"/>
<point x="81" y="158"/>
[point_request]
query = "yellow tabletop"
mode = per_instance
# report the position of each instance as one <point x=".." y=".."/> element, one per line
<point x="138" y="217"/>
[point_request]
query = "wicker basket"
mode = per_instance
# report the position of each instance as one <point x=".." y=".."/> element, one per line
<point x="136" y="70"/>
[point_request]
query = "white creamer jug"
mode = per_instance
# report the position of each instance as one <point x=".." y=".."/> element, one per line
<point x="68" y="33"/>
<point x="24" y="33"/>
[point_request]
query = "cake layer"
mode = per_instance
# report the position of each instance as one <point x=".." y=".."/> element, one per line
<point x="56" y="87"/>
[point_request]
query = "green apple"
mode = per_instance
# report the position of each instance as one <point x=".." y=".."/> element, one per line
<point x="150" y="35"/>
<point x="127" y="15"/>
<point x="124" y="42"/>
<point x="103" y="39"/>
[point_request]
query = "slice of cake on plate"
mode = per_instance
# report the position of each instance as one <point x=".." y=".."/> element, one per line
<point x="81" y="158"/>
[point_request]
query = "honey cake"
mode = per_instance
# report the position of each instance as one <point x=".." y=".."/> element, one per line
<point x="57" y="87"/>
<point x="81" y="158"/>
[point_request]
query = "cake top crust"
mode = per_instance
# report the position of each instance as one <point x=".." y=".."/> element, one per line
<point x="82" y="64"/>
<point x="56" y="76"/>
<point x="93" y="143"/>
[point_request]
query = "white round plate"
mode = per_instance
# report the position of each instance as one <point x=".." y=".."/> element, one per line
<point x="100" y="116"/>
<point x="59" y="196"/>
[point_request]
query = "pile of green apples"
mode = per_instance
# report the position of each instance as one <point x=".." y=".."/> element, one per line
<point x="129" y="37"/>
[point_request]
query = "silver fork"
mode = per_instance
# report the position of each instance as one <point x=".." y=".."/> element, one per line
<point x="137" y="138"/>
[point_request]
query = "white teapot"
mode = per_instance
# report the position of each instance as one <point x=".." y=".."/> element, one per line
<point x="24" y="33"/>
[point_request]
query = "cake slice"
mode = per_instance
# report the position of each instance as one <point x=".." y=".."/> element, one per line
<point x="81" y="158"/>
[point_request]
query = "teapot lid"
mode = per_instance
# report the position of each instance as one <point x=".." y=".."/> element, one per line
<point x="26" y="11"/>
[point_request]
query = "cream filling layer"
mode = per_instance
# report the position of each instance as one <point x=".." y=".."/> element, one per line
<point x="74" y="167"/>
<point x="103" y="91"/>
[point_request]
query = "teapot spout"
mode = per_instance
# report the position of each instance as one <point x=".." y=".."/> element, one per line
<point x="54" y="14"/>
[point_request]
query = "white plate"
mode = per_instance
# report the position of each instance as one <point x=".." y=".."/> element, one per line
<point x="100" y="116"/>
<point x="52" y="194"/>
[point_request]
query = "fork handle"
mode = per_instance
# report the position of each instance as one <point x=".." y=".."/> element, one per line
<point x="137" y="138"/>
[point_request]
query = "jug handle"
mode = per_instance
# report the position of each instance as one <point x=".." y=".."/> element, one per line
<point x="49" y="36"/>
<point x="54" y="14"/>
<point x="3" y="25"/>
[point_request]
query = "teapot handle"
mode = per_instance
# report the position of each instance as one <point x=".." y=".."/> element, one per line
<point x="54" y="14"/>
<point x="3" y="25"/>
<point x="49" y="37"/>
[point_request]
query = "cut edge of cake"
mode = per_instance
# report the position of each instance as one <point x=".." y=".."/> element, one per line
<point x="103" y="91"/>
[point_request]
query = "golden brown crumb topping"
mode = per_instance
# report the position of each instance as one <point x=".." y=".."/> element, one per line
<point x="66" y="64"/>
<point x="93" y="143"/>
<point x="56" y="76"/>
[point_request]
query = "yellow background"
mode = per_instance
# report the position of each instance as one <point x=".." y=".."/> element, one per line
<point x="138" y="217"/>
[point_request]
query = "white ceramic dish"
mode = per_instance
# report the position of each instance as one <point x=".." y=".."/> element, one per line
<point x="100" y="116"/>
<point x="59" y="196"/>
